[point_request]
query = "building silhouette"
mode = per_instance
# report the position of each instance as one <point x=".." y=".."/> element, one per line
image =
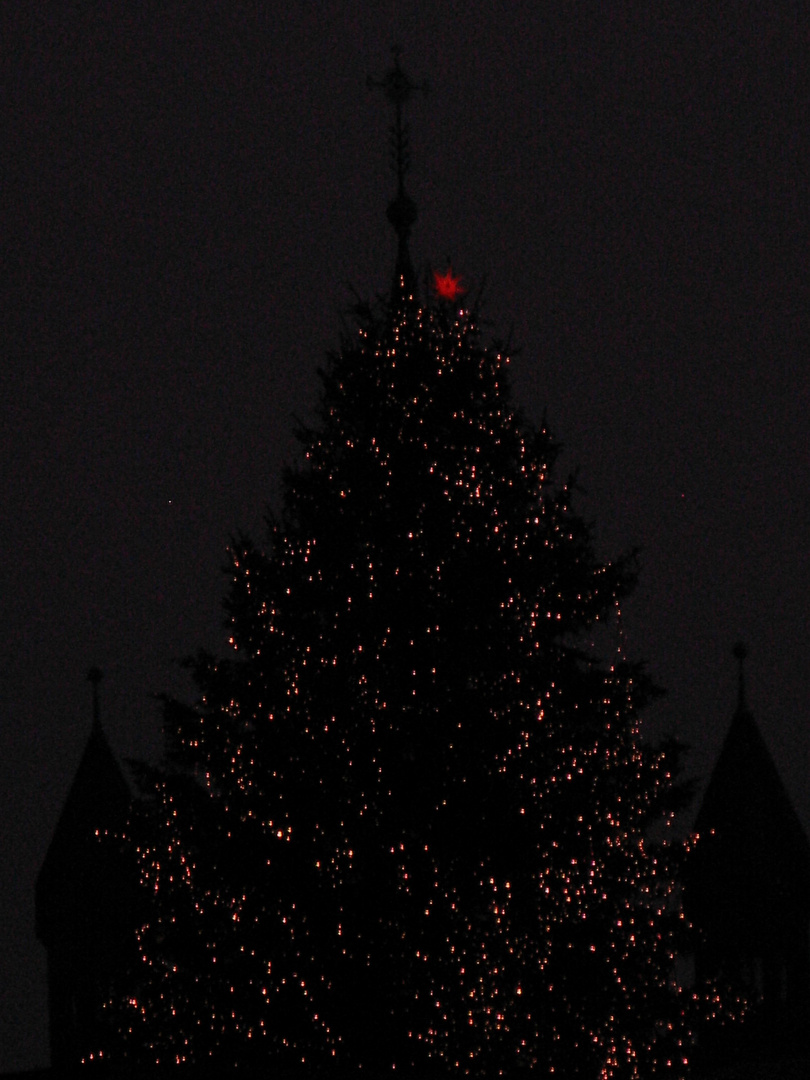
<point x="85" y="899"/>
<point x="747" y="892"/>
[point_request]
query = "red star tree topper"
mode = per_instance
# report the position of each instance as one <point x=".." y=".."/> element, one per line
<point x="446" y="285"/>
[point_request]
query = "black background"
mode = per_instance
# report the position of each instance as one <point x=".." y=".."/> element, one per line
<point x="187" y="192"/>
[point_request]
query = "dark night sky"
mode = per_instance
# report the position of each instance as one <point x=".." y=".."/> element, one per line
<point x="188" y="190"/>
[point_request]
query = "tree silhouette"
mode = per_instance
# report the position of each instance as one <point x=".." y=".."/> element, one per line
<point x="407" y="822"/>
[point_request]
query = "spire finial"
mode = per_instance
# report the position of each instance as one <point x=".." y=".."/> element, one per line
<point x="94" y="676"/>
<point x="740" y="652"/>
<point x="398" y="87"/>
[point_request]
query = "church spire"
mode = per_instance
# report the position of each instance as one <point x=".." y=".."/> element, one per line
<point x="398" y="87"/>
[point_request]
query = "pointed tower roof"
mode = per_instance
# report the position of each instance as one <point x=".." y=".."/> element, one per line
<point x="752" y="850"/>
<point x="398" y="88"/>
<point x="87" y="901"/>
<point x="97" y="802"/>
<point x="745" y="794"/>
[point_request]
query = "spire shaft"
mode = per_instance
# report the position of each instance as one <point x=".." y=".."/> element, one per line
<point x="398" y="88"/>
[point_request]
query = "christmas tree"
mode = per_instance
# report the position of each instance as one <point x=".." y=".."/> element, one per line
<point x="407" y="823"/>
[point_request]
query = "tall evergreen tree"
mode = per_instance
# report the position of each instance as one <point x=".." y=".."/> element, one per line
<point x="407" y="823"/>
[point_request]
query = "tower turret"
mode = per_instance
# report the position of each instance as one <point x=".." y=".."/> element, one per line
<point x="748" y="890"/>
<point x="84" y="898"/>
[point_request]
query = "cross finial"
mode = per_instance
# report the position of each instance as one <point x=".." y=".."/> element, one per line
<point x="740" y="653"/>
<point x="398" y="87"/>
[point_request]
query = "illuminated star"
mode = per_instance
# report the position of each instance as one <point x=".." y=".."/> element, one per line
<point x="447" y="287"/>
